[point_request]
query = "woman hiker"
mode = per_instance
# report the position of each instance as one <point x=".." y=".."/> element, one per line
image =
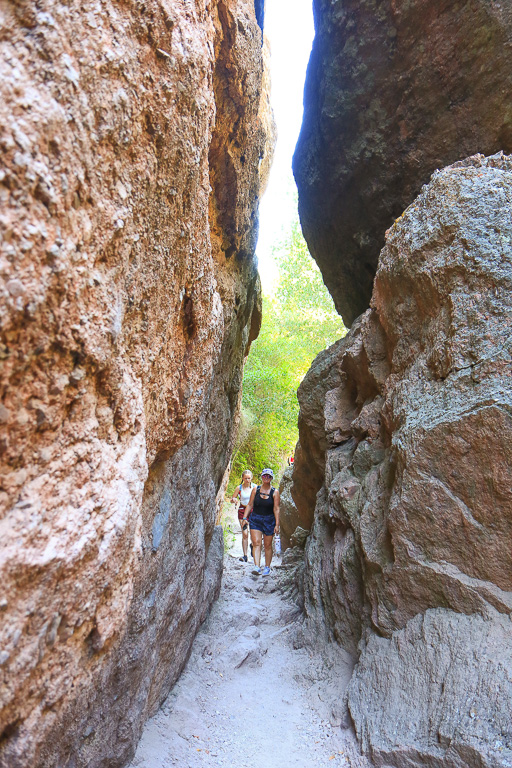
<point x="263" y="509"/>
<point x="243" y="491"/>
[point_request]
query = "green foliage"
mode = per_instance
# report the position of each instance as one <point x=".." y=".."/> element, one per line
<point x="227" y="527"/>
<point x="298" y="322"/>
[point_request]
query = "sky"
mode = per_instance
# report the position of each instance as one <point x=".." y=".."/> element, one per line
<point x="289" y="28"/>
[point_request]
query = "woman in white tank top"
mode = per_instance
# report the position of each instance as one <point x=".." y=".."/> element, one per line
<point x="243" y="492"/>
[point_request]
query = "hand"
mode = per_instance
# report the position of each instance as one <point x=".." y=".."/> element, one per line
<point x="276" y="529"/>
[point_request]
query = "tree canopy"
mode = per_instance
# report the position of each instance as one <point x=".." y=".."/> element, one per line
<point x="299" y="321"/>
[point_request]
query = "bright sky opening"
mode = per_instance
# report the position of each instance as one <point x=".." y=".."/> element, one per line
<point x="289" y="28"/>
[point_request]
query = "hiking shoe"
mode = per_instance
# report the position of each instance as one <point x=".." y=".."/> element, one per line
<point x="266" y="571"/>
<point x="243" y="559"/>
<point x="256" y="570"/>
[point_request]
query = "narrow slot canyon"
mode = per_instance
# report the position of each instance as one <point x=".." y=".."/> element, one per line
<point x="137" y="144"/>
<point x="251" y="691"/>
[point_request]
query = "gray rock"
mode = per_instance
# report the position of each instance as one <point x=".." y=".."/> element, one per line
<point x="394" y="91"/>
<point x="437" y="694"/>
<point x="287" y="509"/>
<point x="414" y="511"/>
<point x="299" y="537"/>
<point x="245" y="650"/>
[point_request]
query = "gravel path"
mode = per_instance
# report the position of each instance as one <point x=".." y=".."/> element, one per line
<point x="249" y="697"/>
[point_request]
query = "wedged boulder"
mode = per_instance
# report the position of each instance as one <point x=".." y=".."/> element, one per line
<point x="131" y="138"/>
<point x="414" y="510"/>
<point x="394" y="90"/>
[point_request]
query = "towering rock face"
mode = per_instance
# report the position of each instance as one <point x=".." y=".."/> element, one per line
<point x="131" y="139"/>
<point x="394" y="90"/>
<point x="405" y="424"/>
<point x="409" y="559"/>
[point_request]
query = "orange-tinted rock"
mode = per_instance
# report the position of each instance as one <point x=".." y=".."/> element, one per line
<point x="414" y="512"/>
<point x="394" y="91"/>
<point x="131" y="138"/>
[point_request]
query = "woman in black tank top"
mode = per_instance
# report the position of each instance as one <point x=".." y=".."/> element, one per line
<point x="263" y="509"/>
<point x="263" y="501"/>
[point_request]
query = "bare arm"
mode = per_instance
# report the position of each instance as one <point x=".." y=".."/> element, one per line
<point x="236" y="493"/>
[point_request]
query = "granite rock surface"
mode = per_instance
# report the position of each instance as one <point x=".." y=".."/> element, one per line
<point x="132" y="136"/>
<point x="437" y="694"/>
<point x="394" y="91"/>
<point x="408" y="562"/>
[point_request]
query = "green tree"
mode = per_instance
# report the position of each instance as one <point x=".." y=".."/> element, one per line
<point x="298" y="322"/>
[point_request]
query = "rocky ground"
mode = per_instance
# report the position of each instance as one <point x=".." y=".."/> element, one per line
<point x="250" y="692"/>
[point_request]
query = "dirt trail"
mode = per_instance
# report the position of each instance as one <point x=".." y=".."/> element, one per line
<point x="247" y="696"/>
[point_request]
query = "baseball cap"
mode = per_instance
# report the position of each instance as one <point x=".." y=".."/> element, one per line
<point x="268" y="472"/>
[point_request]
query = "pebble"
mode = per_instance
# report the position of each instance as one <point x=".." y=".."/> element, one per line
<point x="15" y="288"/>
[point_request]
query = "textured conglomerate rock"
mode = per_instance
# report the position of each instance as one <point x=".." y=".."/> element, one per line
<point x="394" y="90"/>
<point x="409" y="559"/>
<point x="131" y="138"/>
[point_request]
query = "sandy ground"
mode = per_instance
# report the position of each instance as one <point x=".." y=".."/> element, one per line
<point x="248" y="695"/>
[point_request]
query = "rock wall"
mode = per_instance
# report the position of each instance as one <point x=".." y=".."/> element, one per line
<point x="306" y="477"/>
<point x="394" y="90"/>
<point x="403" y="468"/>
<point x="132" y="136"/>
<point x="408" y="563"/>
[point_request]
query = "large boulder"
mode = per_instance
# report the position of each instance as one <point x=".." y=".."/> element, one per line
<point x="438" y="693"/>
<point x="131" y="138"/>
<point x="414" y="511"/>
<point x="394" y="90"/>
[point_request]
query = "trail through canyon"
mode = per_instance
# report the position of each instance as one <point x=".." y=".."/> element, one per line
<point x="250" y="694"/>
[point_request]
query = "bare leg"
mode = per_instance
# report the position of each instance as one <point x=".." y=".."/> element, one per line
<point x="268" y="549"/>
<point x="256" y="546"/>
<point x="245" y="536"/>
